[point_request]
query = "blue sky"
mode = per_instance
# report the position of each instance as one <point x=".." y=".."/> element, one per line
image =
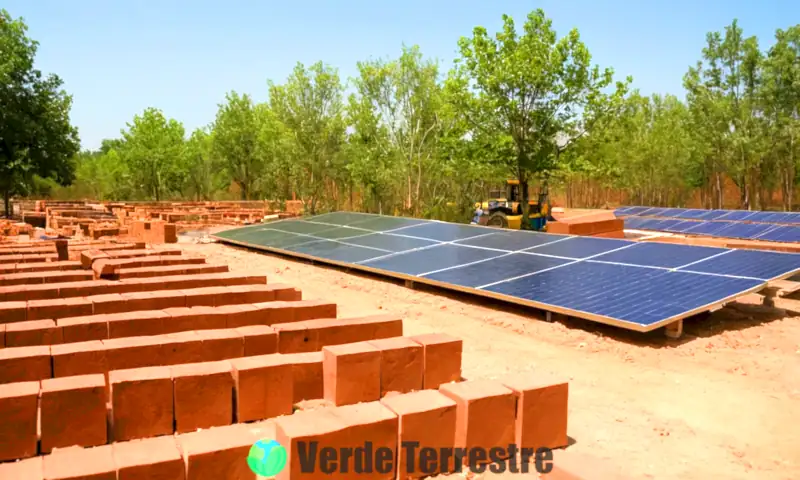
<point x="119" y="57"/>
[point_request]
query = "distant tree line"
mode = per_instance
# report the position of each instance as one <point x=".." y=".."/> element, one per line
<point x="411" y="139"/>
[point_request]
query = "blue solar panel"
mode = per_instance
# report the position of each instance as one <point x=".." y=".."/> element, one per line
<point x="714" y="214"/>
<point x="268" y="237"/>
<point x="672" y="212"/>
<point x="691" y="214"/>
<point x="634" y="295"/>
<point x="299" y="226"/>
<point x="750" y="263"/>
<point x="336" y="251"/>
<point x="387" y="241"/>
<point x="665" y="255"/>
<point x="383" y="224"/>
<point x="634" y="222"/>
<point x="747" y="230"/>
<point x="736" y="215"/>
<point x="581" y="247"/>
<point x="511" y="240"/>
<point x="781" y="234"/>
<point x="444" y="232"/>
<point x="668" y="223"/>
<point x="684" y="226"/>
<point x="339" y="218"/>
<point x="430" y="259"/>
<point x="652" y="212"/>
<point x="709" y="228"/>
<point x="496" y="269"/>
<point x="636" y="210"/>
<point x="650" y="223"/>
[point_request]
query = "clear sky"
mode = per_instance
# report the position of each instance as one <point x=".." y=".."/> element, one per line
<point x="119" y="57"/>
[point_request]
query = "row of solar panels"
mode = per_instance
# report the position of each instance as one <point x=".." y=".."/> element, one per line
<point x="745" y="231"/>
<point x="740" y="224"/>
<point x="636" y="285"/>
<point x="780" y="218"/>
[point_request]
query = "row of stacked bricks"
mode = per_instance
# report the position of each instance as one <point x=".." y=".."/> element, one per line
<point x="116" y="385"/>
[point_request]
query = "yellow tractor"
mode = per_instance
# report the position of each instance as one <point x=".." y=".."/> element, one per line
<point x="504" y="209"/>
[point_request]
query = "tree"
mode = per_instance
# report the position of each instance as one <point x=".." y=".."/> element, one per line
<point x="404" y="96"/>
<point x="198" y="166"/>
<point x="235" y="142"/>
<point x="311" y="107"/>
<point x="531" y="96"/>
<point x="152" y="146"/>
<point x="36" y="137"/>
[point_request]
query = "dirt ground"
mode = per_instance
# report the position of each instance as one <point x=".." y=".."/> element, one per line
<point x="721" y="402"/>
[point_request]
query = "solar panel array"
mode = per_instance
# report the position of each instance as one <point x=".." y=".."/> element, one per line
<point x="635" y="285"/>
<point x="741" y="224"/>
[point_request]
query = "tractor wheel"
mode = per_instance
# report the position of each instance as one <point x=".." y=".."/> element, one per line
<point x="497" y="219"/>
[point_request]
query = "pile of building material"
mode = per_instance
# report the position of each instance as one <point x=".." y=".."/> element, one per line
<point x="595" y="224"/>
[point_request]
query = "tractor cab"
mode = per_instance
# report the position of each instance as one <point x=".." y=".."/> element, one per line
<point x="504" y="208"/>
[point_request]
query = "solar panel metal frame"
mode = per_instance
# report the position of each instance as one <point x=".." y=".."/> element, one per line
<point x="510" y="299"/>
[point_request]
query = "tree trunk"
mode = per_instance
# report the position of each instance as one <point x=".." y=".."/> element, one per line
<point x="7" y="203"/>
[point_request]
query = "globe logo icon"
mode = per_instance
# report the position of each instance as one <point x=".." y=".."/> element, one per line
<point x="266" y="458"/>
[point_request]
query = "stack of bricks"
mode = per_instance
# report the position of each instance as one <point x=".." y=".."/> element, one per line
<point x="154" y="231"/>
<point x="113" y="377"/>
<point x="603" y="224"/>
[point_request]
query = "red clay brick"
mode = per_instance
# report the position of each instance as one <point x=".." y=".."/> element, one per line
<point x="541" y="418"/>
<point x="73" y="412"/>
<point x="249" y="294"/>
<point x="183" y="319"/>
<point x="28" y="469"/>
<point x="313" y="309"/>
<point x="2" y="335"/>
<point x="205" y="297"/>
<point x="133" y="352"/>
<point x="33" y="333"/>
<point x="203" y="395"/>
<point x="221" y="344"/>
<point x="142" y="402"/>
<point x="402" y="364"/>
<point x="307" y="374"/>
<point x="81" y="463"/>
<point x="67" y="276"/>
<point x="220" y="453"/>
<point x="88" y="257"/>
<point x="87" y="289"/>
<point x="351" y="373"/>
<point x="312" y="335"/>
<point x="442" y="353"/>
<point x="183" y="347"/>
<point x="79" y="358"/>
<point x="136" y="324"/>
<point x="259" y="340"/>
<point x="83" y="329"/>
<point x="108" y="303"/>
<point x="485" y="415"/>
<point x="11" y="312"/>
<point x="24" y="364"/>
<point x="264" y="387"/>
<point x="428" y="418"/>
<point x="286" y="293"/>
<point x="58" y="308"/>
<point x="241" y="315"/>
<point x="152" y="458"/>
<point x="369" y="422"/>
<point x="157" y="300"/>
<point x="304" y="427"/>
<point x="265" y="313"/>
<point x="19" y="409"/>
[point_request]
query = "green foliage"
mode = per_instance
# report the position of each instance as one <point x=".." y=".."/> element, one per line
<point x="37" y="138"/>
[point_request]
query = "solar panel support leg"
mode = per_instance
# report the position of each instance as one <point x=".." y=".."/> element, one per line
<point x="548" y="316"/>
<point x="674" y="329"/>
<point x="409" y="284"/>
<point x="770" y="292"/>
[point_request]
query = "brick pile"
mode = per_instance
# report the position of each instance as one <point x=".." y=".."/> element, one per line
<point x="602" y="224"/>
<point x="155" y="369"/>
